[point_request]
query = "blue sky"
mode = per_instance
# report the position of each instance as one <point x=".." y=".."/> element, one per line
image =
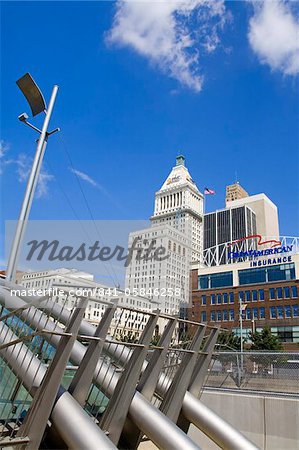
<point x="132" y="95"/>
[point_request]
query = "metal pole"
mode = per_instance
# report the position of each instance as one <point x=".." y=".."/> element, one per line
<point x="241" y="334"/>
<point x="30" y="190"/>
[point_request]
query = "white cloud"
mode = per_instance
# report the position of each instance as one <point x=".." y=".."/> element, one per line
<point x="84" y="177"/>
<point x="171" y="34"/>
<point x="274" y="35"/>
<point x="23" y="164"/>
<point x="4" y="147"/>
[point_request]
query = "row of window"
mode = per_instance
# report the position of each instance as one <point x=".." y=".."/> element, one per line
<point x="276" y="312"/>
<point x="284" y="312"/>
<point x="280" y="272"/>
<point x="219" y="316"/>
<point x="285" y="292"/>
<point x="251" y="295"/>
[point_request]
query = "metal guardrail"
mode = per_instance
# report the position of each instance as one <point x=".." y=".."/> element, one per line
<point x="273" y="372"/>
<point x="113" y="379"/>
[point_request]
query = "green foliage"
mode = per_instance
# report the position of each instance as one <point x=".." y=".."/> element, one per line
<point x="129" y="337"/>
<point x="229" y="341"/>
<point x="265" y="340"/>
<point x="155" y="339"/>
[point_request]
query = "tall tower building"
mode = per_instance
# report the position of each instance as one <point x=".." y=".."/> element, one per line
<point x="176" y="225"/>
<point x="234" y="192"/>
<point x="179" y="204"/>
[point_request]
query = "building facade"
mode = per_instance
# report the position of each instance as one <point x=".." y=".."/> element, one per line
<point x="224" y="226"/>
<point x="265" y="287"/>
<point x="64" y="285"/>
<point x="266" y="213"/>
<point x="234" y="192"/>
<point x="164" y="280"/>
<point x="179" y="204"/>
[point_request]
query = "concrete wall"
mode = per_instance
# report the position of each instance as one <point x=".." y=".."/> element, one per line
<point x="272" y="423"/>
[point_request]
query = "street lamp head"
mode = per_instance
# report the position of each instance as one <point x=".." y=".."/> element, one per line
<point x="23" y="117"/>
<point x="32" y="93"/>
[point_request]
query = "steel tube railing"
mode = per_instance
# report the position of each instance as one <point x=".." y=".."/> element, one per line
<point x="66" y="412"/>
<point x="210" y="424"/>
<point x="109" y="382"/>
<point x="156" y="428"/>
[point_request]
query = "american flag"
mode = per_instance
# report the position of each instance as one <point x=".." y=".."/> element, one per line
<point x="208" y="191"/>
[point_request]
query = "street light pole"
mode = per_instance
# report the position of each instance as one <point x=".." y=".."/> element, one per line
<point x="241" y="308"/>
<point x="241" y="325"/>
<point x="30" y="189"/>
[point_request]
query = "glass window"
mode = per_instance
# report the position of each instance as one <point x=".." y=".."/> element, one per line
<point x="215" y="280"/>
<point x="225" y="297"/>
<point x="280" y="312"/>
<point x="262" y="313"/>
<point x="231" y="314"/>
<point x="281" y="272"/>
<point x="241" y="296"/>
<point x="286" y="292"/>
<point x="263" y="274"/>
<point x="294" y="292"/>
<point x="203" y="299"/>
<point x="221" y="279"/>
<point x="287" y="311"/>
<point x="251" y="276"/>
<point x="213" y="299"/>
<point x="248" y="313"/>
<point x="219" y="299"/>
<point x="213" y="316"/>
<point x="273" y="314"/>
<point x="285" y="334"/>
<point x="203" y="282"/>
<point x="279" y="292"/>
<point x="219" y="316"/>
<point x="272" y="293"/>
<point x="247" y="296"/>
<point x="261" y="294"/>
<point x="254" y="295"/>
<point x="225" y="314"/>
<point x="231" y="297"/>
<point x="255" y="313"/>
<point x="295" y="311"/>
<point x="203" y="316"/>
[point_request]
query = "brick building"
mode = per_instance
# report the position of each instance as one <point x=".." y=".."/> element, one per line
<point x="268" y="292"/>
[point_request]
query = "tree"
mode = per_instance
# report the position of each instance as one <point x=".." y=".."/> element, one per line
<point x="265" y="340"/>
<point x="229" y="341"/>
<point x="155" y="339"/>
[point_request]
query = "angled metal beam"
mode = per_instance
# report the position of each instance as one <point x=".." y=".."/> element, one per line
<point x="82" y="380"/>
<point x="199" y="374"/>
<point x="148" y="381"/>
<point x="174" y="397"/>
<point x="203" y="363"/>
<point x="116" y="412"/>
<point x="36" y="420"/>
<point x="132" y="435"/>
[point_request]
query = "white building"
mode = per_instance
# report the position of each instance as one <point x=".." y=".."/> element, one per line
<point x="164" y="280"/>
<point x="265" y="211"/>
<point x="65" y="284"/>
<point x="176" y="225"/>
<point x="179" y="204"/>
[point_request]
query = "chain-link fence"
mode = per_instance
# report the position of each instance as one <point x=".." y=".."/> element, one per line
<point x="275" y="372"/>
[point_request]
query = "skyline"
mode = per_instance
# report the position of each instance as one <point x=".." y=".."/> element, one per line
<point x="131" y="117"/>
